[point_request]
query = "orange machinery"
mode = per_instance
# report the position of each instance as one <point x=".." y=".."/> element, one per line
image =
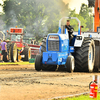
<point x="96" y="5"/>
<point x="97" y="16"/>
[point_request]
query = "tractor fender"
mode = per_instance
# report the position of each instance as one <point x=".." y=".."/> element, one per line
<point x="79" y="40"/>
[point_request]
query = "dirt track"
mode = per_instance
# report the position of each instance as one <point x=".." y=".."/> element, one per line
<point x="24" y="83"/>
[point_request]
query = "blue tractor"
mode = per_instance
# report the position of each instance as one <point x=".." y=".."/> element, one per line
<point x="74" y="54"/>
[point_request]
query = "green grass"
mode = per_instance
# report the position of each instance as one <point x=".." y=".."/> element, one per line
<point x="16" y="63"/>
<point x="83" y="97"/>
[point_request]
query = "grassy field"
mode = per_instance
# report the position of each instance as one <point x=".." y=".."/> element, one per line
<point x="15" y="63"/>
<point x="83" y="97"/>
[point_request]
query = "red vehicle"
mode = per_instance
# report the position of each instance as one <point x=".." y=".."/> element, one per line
<point x="17" y="50"/>
<point x="34" y="47"/>
<point x="34" y="50"/>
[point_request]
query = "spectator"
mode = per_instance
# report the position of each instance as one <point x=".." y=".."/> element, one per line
<point x="35" y="42"/>
<point x="4" y="50"/>
<point x="31" y="41"/>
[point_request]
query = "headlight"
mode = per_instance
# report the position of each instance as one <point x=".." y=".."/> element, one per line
<point x="79" y="37"/>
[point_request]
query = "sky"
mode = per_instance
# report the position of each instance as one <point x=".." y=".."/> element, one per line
<point x="73" y="4"/>
<point x="76" y="4"/>
<point x="0" y="6"/>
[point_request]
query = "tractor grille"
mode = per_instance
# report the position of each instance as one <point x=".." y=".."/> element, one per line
<point x="53" y="45"/>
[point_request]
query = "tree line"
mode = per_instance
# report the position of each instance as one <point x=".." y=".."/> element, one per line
<point x="40" y="17"/>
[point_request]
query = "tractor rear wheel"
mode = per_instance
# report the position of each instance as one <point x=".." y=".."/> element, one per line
<point x="9" y="49"/>
<point x="43" y="46"/>
<point x="85" y="56"/>
<point x="13" y="52"/>
<point x="17" y="55"/>
<point x="38" y="62"/>
<point x="27" y="53"/>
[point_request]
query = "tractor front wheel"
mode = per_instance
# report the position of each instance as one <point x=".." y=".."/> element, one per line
<point x="70" y="64"/>
<point x="38" y="62"/>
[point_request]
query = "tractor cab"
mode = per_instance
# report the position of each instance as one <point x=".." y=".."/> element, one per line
<point x="17" y="38"/>
<point x="71" y="38"/>
<point x="16" y="34"/>
<point x="63" y="30"/>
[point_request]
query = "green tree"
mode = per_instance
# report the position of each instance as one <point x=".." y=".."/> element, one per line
<point x="74" y="23"/>
<point x="37" y="17"/>
<point x="86" y="13"/>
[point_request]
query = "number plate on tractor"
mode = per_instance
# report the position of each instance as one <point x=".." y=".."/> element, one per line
<point x="16" y="30"/>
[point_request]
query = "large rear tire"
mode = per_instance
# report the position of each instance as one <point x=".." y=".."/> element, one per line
<point x="27" y="53"/>
<point x="13" y="52"/>
<point x="9" y="49"/>
<point x="17" y="55"/>
<point x="85" y="56"/>
<point x="43" y="46"/>
<point x="38" y="62"/>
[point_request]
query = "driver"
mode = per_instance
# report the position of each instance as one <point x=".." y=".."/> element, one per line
<point x="69" y="28"/>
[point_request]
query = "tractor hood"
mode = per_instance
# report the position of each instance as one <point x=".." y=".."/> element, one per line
<point x="57" y="42"/>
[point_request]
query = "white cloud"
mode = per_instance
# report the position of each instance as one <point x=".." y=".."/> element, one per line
<point x="1" y="10"/>
<point x="76" y="4"/>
